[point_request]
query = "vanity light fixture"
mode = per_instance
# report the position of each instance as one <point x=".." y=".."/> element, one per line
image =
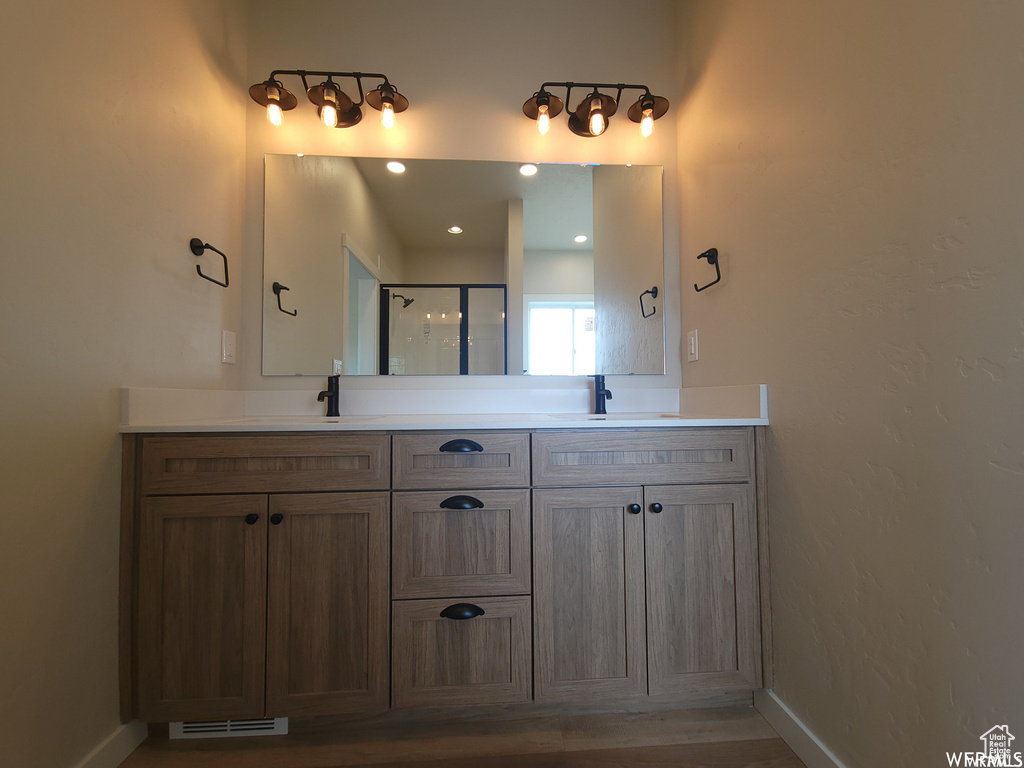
<point x="335" y="107"/>
<point x="592" y="115"/>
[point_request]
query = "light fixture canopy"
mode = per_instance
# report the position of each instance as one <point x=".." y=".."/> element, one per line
<point x="335" y="107"/>
<point x="591" y="116"/>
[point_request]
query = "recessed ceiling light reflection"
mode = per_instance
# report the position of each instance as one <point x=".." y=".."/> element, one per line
<point x="396" y="167"/>
<point x="580" y="238"/>
<point x="528" y="169"/>
<point x="455" y="230"/>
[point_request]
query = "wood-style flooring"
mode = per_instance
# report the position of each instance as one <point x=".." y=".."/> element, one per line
<point x="723" y="737"/>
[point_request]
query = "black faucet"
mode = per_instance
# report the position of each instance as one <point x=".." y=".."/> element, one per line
<point x="601" y="394"/>
<point x="331" y="395"/>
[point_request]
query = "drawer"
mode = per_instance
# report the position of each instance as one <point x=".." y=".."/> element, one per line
<point x="460" y="543"/>
<point x="264" y="463"/>
<point x="462" y="460"/>
<point x="723" y="455"/>
<point x="440" y="661"/>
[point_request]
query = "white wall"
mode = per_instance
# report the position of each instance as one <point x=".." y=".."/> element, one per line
<point x="558" y="272"/>
<point x="858" y="166"/>
<point x="121" y="141"/>
<point x="441" y="54"/>
<point x="451" y="265"/>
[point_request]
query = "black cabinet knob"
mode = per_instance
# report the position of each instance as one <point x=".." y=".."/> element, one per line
<point x="656" y="507"/>
<point x="634" y="509"/>
<point x="252" y="518"/>
<point x="276" y="518"/>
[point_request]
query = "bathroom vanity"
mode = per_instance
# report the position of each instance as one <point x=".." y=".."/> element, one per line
<point x="353" y="567"/>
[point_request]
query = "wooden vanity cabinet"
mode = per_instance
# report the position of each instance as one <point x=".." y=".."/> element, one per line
<point x="461" y="614"/>
<point x="270" y="604"/>
<point x="645" y="589"/>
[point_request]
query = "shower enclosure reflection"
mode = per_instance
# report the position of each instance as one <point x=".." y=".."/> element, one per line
<point x="452" y="330"/>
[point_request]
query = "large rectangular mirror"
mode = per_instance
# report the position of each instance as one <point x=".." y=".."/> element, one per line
<point x="577" y="248"/>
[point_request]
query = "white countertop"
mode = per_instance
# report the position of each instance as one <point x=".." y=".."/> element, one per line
<point x="148" y="410"/>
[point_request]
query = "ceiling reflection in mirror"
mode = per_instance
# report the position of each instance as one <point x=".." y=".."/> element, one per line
<point x="574" y="245"/>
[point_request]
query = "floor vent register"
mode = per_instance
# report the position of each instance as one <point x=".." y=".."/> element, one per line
<point x="276" y="726"/>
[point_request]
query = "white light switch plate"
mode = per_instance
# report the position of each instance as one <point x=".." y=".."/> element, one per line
<point x="691" y="346"/>
<point x="337" y="368"/>
<point x="227" y="347"/>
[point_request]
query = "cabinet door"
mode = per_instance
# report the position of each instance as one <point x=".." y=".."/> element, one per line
<point x="202" y="607"/>
<point x="443" y="659"/>
<point x="327" y="604"/>
<point x="461" y="543"/>
<point x="588" y="586"/>
<point x="702" y="605"/>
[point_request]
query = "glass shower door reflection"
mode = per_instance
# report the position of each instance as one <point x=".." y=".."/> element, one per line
<point x="446" y="330"/>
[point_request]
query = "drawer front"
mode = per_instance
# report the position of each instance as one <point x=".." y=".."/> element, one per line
<point x="264" y="463"/>
<point x="723" y="455"/>
<point x="460" y="543"/>
<point x="462" y="460"/>
<point x="439" y="661"/>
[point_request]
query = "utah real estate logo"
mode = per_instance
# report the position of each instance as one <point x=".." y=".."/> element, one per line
<point x="997" y="751"/>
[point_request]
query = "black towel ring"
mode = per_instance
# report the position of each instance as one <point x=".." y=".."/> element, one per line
<point x="711" y="254"/>
<point x="654" y="294"/>
<point x="277" y="288"/>
<point x="198" y="247"/>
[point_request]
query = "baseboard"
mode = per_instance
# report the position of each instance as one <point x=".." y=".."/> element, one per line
<point x="798" y="736"/>
<point x="114" y="749"/>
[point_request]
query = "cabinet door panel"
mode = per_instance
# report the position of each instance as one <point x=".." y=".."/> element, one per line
<point x="202" y="587"/>
<point x="588" y="593"/>
<point x="440" y="551"/>
<point x="441" y="661"/>
<point x="701" y="589"/>
<point x="327" y="604"/>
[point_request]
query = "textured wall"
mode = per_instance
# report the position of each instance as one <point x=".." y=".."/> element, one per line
<point x="859" y="168"/>
<point x="121" y="140"/>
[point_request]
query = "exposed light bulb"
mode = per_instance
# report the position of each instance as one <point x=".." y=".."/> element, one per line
<point x="647" y="123"/>
<point x="274" y="113"/>
<point x="387" y="115"/>
<point x="329" y="115"/>
<point x="597" y="122"/>
<point x="543" y="119"/>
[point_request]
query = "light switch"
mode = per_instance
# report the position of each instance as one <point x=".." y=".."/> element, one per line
<point x="691" y="346"/>
<point x="337" y="368"/>
<point x="227" y="347"/>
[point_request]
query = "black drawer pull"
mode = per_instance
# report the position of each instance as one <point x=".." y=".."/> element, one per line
<point x="634" y="509"/>
<point x="252" y="518"/>
<point x="276" y="518"/>
<point x="462" y="611"/>
<point x="461" y="445"/>
<point x="656" y="507"/>
<point x="462" y="502"/>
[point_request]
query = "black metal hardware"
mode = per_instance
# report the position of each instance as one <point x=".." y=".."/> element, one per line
<point x="462" y="502"/>
<point x="579" y="122"/>
<point x="277" y="288"/>
<point x="462" y="611"/>
<point x="276" y="518"/>
<point x="711" y="254"/>
<point x="252" y="518"/>
<point x="654" y="309"/>
<point x="634" y="509"/>
<point x="601" y="394"/>
<point x="198" y="247"/>
<point x="461" y="445"/>
<point x="331" y="395"/>
<point x="329" y="92"/>
<point x="656" y="507"/>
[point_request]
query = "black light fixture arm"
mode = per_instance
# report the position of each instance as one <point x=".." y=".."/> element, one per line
<point x="357" y="76"/>
<point x="197" y="247"/>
